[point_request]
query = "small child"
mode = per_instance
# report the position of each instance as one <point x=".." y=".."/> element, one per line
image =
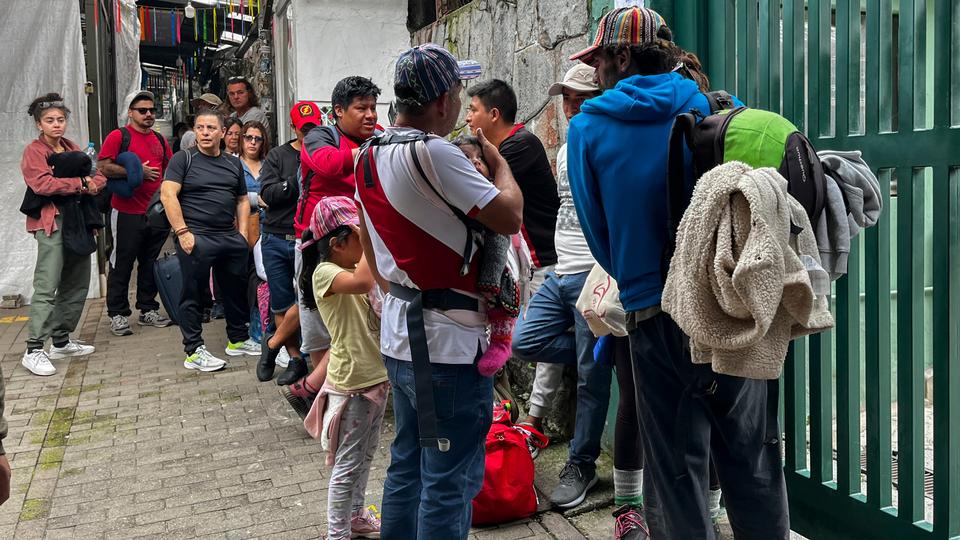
<point x="498" y="280"/>
<point x="335" y="280"/>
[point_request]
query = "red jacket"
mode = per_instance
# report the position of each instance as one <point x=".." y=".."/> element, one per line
<point x="326" y="170"/>
<point x="39" y="176"/>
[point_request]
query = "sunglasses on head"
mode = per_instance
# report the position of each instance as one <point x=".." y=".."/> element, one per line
<point x="145" y="110"/>
<point x="253" y="138"/>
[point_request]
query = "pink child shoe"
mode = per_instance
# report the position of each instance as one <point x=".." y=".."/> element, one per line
<point x="365" y="525"/>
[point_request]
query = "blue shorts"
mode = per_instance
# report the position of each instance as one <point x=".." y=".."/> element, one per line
<point x="278" y="263"/>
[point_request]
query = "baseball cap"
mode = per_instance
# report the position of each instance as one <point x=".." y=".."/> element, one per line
<point x="330" y="213"/>
<point x="426" y="71"/>
<point x="210" y="99"/>
<point x="579" y="78"/>
<point x="304" y="112"/>
<point x="624" y="26"/>
<point x="138" y="95"/>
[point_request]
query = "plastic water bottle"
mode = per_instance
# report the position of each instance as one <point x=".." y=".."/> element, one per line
<point x="91" y="153"/>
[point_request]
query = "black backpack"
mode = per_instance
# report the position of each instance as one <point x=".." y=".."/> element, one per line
<point x="753" y="136"/>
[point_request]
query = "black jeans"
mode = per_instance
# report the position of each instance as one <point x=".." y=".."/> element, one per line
<point x="227" y="256"/>
<point x="689" y="413"/>
<point x="133" y="242"/>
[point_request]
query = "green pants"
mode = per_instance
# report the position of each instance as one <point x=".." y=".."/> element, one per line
<point x="60" y="285"/>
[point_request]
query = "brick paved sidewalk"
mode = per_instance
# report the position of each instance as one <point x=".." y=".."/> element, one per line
<point x="127" y="443"/>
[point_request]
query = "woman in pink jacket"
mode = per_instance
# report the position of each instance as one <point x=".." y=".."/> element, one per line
<point x="61" y="278"/>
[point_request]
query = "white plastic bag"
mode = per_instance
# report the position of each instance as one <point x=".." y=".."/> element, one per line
<point x="599" y="303"/>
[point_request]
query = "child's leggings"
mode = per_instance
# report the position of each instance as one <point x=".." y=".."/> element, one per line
<point x="359" y="438"/>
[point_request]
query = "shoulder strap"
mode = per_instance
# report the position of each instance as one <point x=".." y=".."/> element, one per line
<point x="719" y="100"/>
<point x="474" y="227"/>
<point x="124" y="140"/>
<point x="163" y="146"/>
<point x="676" y="184"/>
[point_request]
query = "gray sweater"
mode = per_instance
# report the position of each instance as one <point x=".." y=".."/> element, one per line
<point x="853" y="202"/>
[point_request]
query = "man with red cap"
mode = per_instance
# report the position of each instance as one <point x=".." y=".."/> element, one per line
<point x="279" y="190"/>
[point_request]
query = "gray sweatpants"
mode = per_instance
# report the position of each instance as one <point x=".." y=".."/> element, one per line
<point x="358" y="440"/>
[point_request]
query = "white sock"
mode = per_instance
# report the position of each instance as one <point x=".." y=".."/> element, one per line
<point x="628" y="487"/>
<point x="713" y="502"/>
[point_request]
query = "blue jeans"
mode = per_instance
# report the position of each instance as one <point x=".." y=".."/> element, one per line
<point x="428" y="493"/>
<point x="278" y="264"/>
<point x="542" y="335"/>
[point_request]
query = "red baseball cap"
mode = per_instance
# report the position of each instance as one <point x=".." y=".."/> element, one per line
<point x="305" y="112"/>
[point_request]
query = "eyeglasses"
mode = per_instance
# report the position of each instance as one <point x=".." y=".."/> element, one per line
<point x="253" y="138"/>
<point x="145" y="110"/>
<point x="49" y="104"/>
<point x="237" y="78"/>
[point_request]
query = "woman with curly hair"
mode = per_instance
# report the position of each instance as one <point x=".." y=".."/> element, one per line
<point x="61" y="278"/>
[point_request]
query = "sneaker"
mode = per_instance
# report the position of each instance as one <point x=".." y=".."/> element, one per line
<point x="120" y="326"/>
<point x="153" y="318"/>
<point x="204" y="361"/>
<point x="365" y="525"/>
<point x="629" y="524"/>
<point x="283" y="359"/>
<point x="38" y="363"/>
<point x="206" y="315"/>
<point x="72" y="348"/>
<point x="573" y="487"/>
<point x="300" y="405"/>
<point x="216" y="312"/>
<point x="248" y="347"/>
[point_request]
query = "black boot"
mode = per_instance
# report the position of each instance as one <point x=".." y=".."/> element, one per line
<point x="268" y="360"/>
<point x="296" y="369"/>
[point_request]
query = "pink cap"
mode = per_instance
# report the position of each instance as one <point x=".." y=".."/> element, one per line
<point x="330" y="213"/>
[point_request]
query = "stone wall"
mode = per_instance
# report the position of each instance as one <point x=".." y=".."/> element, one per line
<point x="526" y="43"/>
<point x="258" y="69"/>
<point x="523" y="42"/>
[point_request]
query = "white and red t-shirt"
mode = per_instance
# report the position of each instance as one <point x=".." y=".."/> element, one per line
<point x="418" y="241"/>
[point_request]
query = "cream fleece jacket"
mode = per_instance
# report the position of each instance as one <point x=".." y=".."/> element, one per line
<point x="738" y="284"/>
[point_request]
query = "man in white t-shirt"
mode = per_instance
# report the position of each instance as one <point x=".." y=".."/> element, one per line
<point x="417" y="192"/>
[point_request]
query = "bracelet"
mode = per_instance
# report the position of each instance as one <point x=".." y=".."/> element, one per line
<point x="181" y="231"/>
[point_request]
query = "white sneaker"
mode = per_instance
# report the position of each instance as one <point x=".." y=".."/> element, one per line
<point x="204" y="361"/>
<point x="38" y="363"/>
<point x="248" y="347"/>
<point x="72" y="348"/>
<point x="120" y="326"/>
<point x="283" y="358"/>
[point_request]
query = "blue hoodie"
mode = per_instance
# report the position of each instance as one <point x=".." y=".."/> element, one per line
<point x="617" y="165"/>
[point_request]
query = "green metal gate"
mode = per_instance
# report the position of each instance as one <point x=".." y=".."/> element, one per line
<point x="881" y="77"/>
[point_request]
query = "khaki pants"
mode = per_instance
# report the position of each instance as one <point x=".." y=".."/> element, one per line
<point x="60" y="284"/>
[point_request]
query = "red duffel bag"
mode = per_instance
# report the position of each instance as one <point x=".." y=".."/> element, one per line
<point x="507" y="493"/>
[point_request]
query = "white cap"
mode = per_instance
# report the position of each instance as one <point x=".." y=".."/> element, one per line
<point x="579" y="78"/>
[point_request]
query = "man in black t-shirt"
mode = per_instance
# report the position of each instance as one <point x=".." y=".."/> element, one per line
<point x="205" y="198"/>
<point x="493" y="108"/>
